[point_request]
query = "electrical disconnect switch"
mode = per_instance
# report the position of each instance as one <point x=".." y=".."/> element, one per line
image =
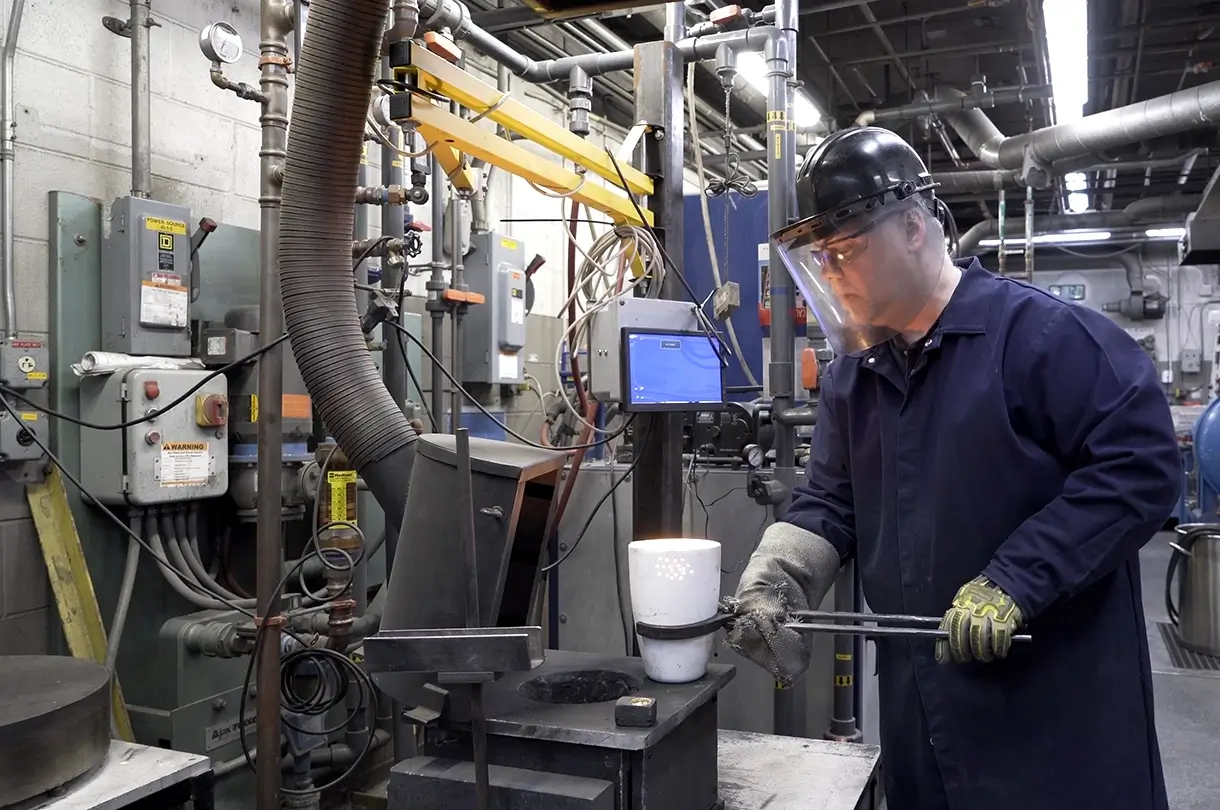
<point x="24" y="364"/>
<point x="17" y="442"/>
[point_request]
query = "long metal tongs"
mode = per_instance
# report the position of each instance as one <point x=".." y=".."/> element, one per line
<point x="817" y="621"/>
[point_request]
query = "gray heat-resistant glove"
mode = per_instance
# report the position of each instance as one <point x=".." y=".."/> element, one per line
<point x="792" y="569"/>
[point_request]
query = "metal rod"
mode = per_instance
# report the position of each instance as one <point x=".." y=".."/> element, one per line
<point x="8" y="155"/>
<point x="269" y="544"/>
<point x="141" y="101"/>
<point x="964" y="49"/>
<point x="843" y="615"/>
<point x="478" y="716"/>
<point x="881" y="632"/>
<point x="789" y="708"/>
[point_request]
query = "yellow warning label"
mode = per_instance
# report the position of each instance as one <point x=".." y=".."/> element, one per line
<point x="339" y="480"/>
<point x="511" y="244"/>
<point x="188" y="446"/>
<point x="776" y="115"/>
<point x="165" y="225"/>
<point x="165" y="241"/>
<point x="36" y="375"/>
<point x="29" y="416"/>
<point x="843" y="680"/>
<point x="843" y="656"/>
<point x="364" y="154"/>
<point x="254" y="407"/>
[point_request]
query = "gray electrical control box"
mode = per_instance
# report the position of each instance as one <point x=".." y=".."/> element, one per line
<point x="1192" y="361"/>
<point x="181" y="454"/>
<point x="16" y="435"/>
<point x="606" y="337"/>
<point x="494" y="331"/>
<point x="146" y="278"/>
<point x="24" y="364"/>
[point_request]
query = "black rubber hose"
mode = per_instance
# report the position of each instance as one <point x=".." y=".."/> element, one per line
<point x="331" y="93"/>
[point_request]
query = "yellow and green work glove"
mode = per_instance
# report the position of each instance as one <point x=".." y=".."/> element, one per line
<point x="981" y="624"/>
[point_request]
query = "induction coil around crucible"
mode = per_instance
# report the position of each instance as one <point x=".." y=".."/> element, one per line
<point x="580" y="687"/>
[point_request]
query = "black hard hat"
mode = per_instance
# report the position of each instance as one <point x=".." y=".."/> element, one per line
<point x="853" y="172"/>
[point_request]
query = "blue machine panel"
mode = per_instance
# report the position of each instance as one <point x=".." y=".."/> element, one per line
<point x="748" y="229"/>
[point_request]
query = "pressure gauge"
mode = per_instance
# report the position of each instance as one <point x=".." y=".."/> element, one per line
<point x="753" y="455"/>
<point x="220" y="43"/>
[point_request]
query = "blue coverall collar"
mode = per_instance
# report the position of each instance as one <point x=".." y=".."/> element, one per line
<point x="966" y="313"/>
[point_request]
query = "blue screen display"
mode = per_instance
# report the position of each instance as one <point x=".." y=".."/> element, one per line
<point x="673" y="368"/>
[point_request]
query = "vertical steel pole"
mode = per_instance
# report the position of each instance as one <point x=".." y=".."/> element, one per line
<point x="657" y="481"/>
<point x="269" y="550"/>
<point x="8" y="156"/>
<point x="141" y="102"/>
<point x="843" y="726"/>
<point x="790" y="704"/>
<point x="1001" y="228"/>
<point x="1029" y="234"/>
<point x="436" y="291"/>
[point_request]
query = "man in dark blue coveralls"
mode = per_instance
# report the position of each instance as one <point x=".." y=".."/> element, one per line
<point x="988" y="452"/>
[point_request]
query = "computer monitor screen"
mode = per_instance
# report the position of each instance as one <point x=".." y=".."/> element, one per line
<point x="666" y="370"/>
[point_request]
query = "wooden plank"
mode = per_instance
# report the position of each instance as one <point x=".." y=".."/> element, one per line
<point x="70" y="582"/>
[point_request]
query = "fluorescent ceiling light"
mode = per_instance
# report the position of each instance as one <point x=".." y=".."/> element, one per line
<point x="1067" y="238"/>
<point x="1165" y="233"/>
<point x="753" y="68"/>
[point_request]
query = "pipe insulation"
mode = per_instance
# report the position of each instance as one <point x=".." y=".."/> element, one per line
<point x="338" y="62"/>
<point x="1151" y="211"/>
<point x="1184" y="110"/>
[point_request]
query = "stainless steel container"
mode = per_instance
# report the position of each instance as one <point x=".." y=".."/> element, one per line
<point x="1197" y="613"/>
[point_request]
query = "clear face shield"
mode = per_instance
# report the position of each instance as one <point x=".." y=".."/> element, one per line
<point x="840" y="283"/>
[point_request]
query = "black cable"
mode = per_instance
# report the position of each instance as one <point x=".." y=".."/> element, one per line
<point x="701" y="317"/>
<point x="453" y="381"/>
<point x="638" y="453"/>
<point x="254" y="355"/>
<point x="618" y="577"/>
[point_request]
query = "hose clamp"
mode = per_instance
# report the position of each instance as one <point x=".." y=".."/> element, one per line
<point x="271" y="621"/>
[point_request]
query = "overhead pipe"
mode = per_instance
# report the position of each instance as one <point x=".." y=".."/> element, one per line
<point x="8" y="155"/>
<point x="954" y="103"/>
<point x="1098" y="133"/>
<point x="976" y="181"/>
<point x="454" y="15"/>
<point x="141" y="101"/>
<point x="1149" y="211"/>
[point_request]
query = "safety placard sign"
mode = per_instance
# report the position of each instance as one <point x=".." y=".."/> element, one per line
<point x="164" y="301"/>
<point x="185" y="464"/>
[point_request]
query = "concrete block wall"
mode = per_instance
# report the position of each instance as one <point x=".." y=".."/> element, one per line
<point x="73" y="129"/>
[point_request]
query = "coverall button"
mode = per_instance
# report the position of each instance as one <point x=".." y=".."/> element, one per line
<point x="872" y="360"/>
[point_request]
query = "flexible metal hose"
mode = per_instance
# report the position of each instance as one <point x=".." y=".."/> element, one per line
<point x="337" y="67"/>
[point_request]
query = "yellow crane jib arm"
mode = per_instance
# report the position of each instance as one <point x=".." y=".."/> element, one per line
<point x="435" y="75"/>
<point x="445" y="131"/>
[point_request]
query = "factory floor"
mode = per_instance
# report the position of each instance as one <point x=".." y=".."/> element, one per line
<point x="1187" y="700"/>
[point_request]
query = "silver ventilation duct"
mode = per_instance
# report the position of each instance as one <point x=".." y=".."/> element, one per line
<point x="1150" y="211"/>
<point x="1037" y="151"/>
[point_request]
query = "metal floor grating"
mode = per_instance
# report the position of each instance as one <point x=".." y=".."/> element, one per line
<point x="1183" y="658"/>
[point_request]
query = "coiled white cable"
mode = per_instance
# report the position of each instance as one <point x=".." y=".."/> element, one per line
<point x="604" y="277"/>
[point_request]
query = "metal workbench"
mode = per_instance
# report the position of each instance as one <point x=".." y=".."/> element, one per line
<point x="135" y="773"/>
<point x="789" y="773"/>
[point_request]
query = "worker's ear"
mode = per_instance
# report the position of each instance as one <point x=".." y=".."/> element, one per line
<point x="915" y="228"/>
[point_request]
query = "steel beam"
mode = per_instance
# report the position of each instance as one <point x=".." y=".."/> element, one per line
<point x="657" y="480"/>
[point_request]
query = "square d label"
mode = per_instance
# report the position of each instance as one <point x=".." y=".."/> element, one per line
<point x="165" y="241"/>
